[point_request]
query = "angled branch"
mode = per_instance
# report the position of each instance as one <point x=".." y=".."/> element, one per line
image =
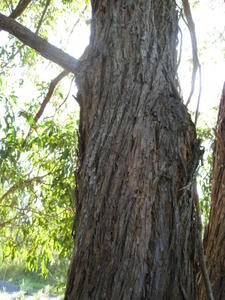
<point x="46" y="49"/>
<point x="8" y="221"/>
<point x="22" y="183"/>
<point x="51" y="89"/>
<point x="67" y="96"/>
<point x="47" y="98"/>
<point x="196" y="64"/>
<point x="36" y="31"/>
<point x="22" y="5"/>
<point x="42" y="16"/>
<point x="9" y="5"/>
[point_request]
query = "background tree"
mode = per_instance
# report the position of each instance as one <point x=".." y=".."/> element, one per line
<point x="214" y="238"/>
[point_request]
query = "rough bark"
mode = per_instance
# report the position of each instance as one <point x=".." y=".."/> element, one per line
<point x="214" y="239"/>
<point x="135" y="232"/>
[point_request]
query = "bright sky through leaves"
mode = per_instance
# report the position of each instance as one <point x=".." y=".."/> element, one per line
<point x="209" y="17"/>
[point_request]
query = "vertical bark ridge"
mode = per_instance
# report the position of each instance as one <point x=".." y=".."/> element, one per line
<point x="134" y="232"/>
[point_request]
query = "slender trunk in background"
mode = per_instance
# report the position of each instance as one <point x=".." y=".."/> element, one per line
<point x="135" y="224"/>
<point x="214" y="239"/>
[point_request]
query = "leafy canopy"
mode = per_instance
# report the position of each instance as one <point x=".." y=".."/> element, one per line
<point x="38" y="137"/>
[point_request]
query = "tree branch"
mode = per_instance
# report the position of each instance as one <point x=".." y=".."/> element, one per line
<point x="22" y="183"/>
<point x="22" y="5"/>
<point x="52" y="87"/>
<point x="8" y="221"/>
<point x="67" y="96"/>
<point x="196" y="64"/>
<point x="9" y="5"/>
<point x="47" y="98"/>
<point x="46" y="49"/>
<point x="42" y="16"/>
<point x="36" y="31"/>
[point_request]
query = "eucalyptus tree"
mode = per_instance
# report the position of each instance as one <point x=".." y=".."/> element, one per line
<point x="135" y="232"/>
<point x="135" y="229"/>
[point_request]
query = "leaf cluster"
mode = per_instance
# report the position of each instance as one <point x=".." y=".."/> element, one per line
<point x="37" y="205"/>
<point x="205" y="133"/>
<point x="37" y="159"/>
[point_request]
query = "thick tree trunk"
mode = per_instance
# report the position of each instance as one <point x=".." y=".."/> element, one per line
<point x="214" y="239"/>
<point x="135" y="224"/>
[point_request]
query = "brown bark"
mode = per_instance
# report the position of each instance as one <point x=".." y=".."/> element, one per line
<point x="214" y="239"/>
<point x="51" y="89"/>
<point x="47" y="98"/>
<point x="22" y="5"/>
<point x="135" y="232"/>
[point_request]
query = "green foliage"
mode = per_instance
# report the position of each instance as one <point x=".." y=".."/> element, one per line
<point x="37" y="160"/>
<point x="205" y="133"/>
<point x="37" y="202"/>
<point x="30" y="281"/>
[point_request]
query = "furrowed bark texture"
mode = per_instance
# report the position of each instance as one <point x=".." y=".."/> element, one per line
<point x="134" y="228"/>
<point x="214" y="239"/>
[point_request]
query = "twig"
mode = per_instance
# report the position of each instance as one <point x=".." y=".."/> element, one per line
<point x="11" y="58"/>
<point x="180" y="48"/>
<point x="9" y="7"/>
<point x="8" y="221"/>
<point x="199" y="94"/>
<point x="22" y="183"/>
<point x="11" y="4"/>
<point x="52" y="87"/>
<point x="42" y="16"/>
<point x="34" y="211"/>
<point x="75" y="24"/>
<point x="47" y="98"/>
<point x="22" y="5"/>
<point x="196" y="64"/>
<point x="67" y="96"/>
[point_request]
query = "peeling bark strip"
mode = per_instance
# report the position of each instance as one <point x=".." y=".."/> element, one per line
<point x="214" y="240"/>
<point x="135" y="231"/>
<point x="37" y="43"/>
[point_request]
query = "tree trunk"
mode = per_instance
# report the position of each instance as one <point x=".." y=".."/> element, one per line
<point x="135" y="223"/>
<point x="214" y="239"/>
